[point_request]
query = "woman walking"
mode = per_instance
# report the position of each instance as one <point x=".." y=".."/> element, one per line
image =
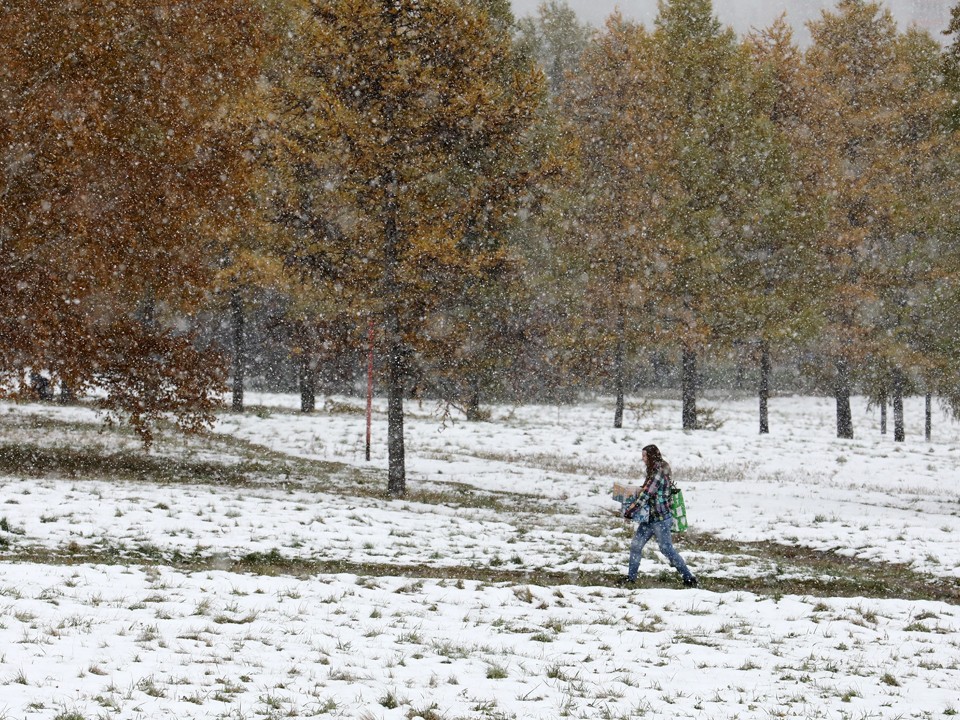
<point x="654" y="500"/>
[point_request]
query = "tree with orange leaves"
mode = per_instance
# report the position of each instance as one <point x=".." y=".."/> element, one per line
<point x="119" y="170"/>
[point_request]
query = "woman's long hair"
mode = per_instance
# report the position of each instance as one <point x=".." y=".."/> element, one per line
<point x="654" y="460"/>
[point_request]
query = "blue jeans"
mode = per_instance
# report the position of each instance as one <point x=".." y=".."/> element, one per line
<point x="661" y="530"/>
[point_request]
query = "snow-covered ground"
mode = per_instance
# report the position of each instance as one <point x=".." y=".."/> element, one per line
<point x="138" y="639"/>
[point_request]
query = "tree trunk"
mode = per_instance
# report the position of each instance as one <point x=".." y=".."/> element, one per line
<point x="689" y="389"/>
<point x="764" y="387"/>
<point x="842" y="394"/>
<point x="928" y="417"/>
<point x="308" y="384"/>
<point x="149" y="310"/>
<point x="239" y="347"/>
<point x="67" y="396"/>
<point x="883" y="413"/>
<point x="370" y="339"/>
<point x="151" y="390"/>
<point x="40" y="385"/>
<point x="618" y="371"/>
<point x="740" y="375"/>
<point x="396" y="470"/>
<point x="473" y="399"/>
<point x="899" y="435"/>
<point x="396" y="356"/>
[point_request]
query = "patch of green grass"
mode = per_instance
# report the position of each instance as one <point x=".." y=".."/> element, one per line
<point x="149" y="686"/>
<point x="828" y="575"/>
<point x="889" y="679"/>
<point x="389" y="701"/>
<point x="496" y="672"/>
<point x="41" y="461"/>
<point x="802" y="571"/>
<point x="5" y="526"/>
<point x="428" y="713"/>
<point x="77" y="457"/>
<point x="690" y="639"/>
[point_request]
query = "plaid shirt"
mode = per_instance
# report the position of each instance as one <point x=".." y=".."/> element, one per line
<point x="655" y="493"/>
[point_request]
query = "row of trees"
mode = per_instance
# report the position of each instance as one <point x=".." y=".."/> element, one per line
<point x="749" y="192"/>
<point x="506" y="204"/>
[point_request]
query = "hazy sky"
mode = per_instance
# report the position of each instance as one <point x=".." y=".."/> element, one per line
<point x="741" y="14"/>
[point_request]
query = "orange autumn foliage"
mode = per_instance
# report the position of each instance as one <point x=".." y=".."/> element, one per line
<point x="118" y="166"/>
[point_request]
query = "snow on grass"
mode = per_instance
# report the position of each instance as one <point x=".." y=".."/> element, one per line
<point x="117" y="598"/>
<point x="150" y="642"/>
<point x="869" y="497"/>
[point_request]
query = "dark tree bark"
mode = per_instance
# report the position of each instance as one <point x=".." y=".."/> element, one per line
<point x="618" y="370"/>
<point x="473" y="399"/>
<point x="928" y="417"/>
<point x="883" y="413"/>
<point x="899" y="434"/>
<point x="67" y="396"/>
<point x="40" y="385"/>
<point x="688" y="389"/>
<point x="396" y="470"/>
<point x="842" y="394"/>
<point x="238" y="319"/>
<point x="308" y="383"/>
<point x="149" y="321"/>
<point x="396" y="355"/>
<point x="148" y="311"/>
<point x="764" y="390"/>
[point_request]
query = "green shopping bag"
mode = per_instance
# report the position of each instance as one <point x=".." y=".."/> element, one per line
<point x="678" y="510"/>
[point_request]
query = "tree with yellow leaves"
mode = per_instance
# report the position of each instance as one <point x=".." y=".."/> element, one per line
<point x="613" y="104"/>
<point x="394" y="127"/>
<point x="774" y="301"/>
<point x="705" y="110"/>
<point x="874" y="136"/>
<point x="915" y="255"/>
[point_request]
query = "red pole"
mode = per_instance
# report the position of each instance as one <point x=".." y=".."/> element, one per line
<point x="369" y="385"/>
